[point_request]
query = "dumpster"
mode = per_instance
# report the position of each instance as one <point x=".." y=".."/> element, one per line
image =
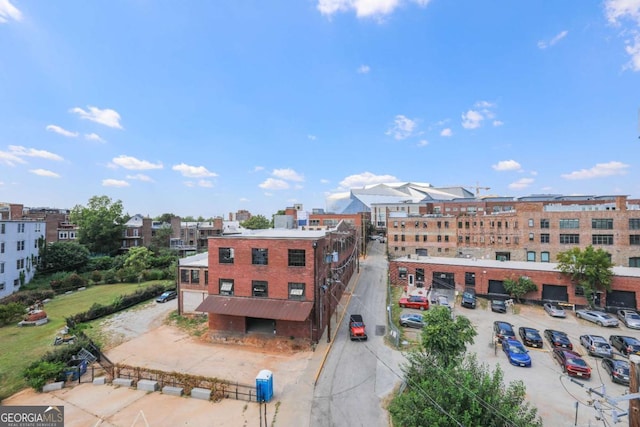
<point x="264" y="386"/>
<point x="75" y="369"/>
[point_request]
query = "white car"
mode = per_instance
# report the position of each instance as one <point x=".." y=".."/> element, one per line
<point x="630" y="318"/>
<point x="598" y="317"/>
<point x="554" y="310"/>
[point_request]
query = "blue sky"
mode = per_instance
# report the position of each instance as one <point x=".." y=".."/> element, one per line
<point x="204" y="108"/>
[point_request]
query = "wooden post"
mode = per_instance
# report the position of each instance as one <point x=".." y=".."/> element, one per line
<point x="634" y="382"/>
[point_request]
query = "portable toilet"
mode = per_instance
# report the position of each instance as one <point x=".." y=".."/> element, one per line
<point x="264" y="385"/>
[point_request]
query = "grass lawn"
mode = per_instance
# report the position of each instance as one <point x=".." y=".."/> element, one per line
<point x="20" y="346"/>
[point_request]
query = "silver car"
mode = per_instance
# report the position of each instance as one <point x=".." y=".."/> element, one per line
<point x="412" y="320"/>
<point x="630" y="318"/>
<point x="596" y="345"/>
<point x="597" y="317"/>
<point x="554" y="310"/>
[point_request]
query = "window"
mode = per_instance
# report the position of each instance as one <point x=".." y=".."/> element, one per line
<point x="531" y="237"/>
<point x="446" y="238"/>
<point x="401" y="224"/>
<point x="297" y="257"/>
<point x="395" y="237"/>
<point x="1" y="267"/>
<point x="35" y="244"/>
<point x="402" y="272"/>
<point x="259" y="289"/>
<point x="225" y="255"/>
<point x="579" y="291"/>
<point x="226" y="287"/>
<point x="530" y="222"/>
<point x="634" y="262"/>
<point x="402" y="238"/>
<point x="417" y="238"/>
<point x="439" y="224"/>
<point x="634" y="224"/>
<point x="544" y="257"/>
<point x="569" y="239"/>
<point x="16" y="283"/>
<point x="395" y="224"/>
<point x="2" y="284"/>
<point x="206" y="277"/>
<point x="296" y="291"/>
<point x="259" y="256"/>
<point x="602" y="223"/>
<point x="569" y="223"/>
<point x="195" y="276"/>
<point x="469" y="279"/>
<point x="2" y="228"/>
<point x="602" y="239"/>
<point x="544" y="238"/>
<point x="420" y="275"/>
<point x="184" y="275"/>
<point x="439" y="238"/>
<point x="424" y="238"/>
<point x="544" y="223"/>
<point x="531" y="256"/>
<point x="634" y="239"/>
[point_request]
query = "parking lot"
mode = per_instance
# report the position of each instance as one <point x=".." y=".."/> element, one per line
<point x="552" y="392"/>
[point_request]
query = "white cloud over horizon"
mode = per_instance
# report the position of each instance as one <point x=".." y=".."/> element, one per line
<point x="521" y="184"/>
<point x="193" y="171"/>
<point x="114" y="183"/>
<point x="21" y="151"/>
<point x="9" y="11"/>
<point x="274" y="184"/>
<point x="543" y="44"/>
<point x="129" y="162"/>
<point x="61" y="131"/>
<point x="93" y="137"/>
<point x="507" y="165"/>
<point x="44" y="172"/>
<point x="600" y="170"/>
<point x="288" y="174"/>
<point x="403" y="127"/>
<point x="107" y="117"/>
<point x="365" y="179"/>
<point x="364" y="8"/>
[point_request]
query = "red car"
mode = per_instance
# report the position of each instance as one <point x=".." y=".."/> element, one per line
<point x="572" y="363"/>
<point x="414" y="301"/>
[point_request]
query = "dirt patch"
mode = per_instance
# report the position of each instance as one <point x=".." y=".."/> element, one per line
<point x="263" y="342"/>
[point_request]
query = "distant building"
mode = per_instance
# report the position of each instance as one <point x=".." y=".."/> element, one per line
<point x="20" y="240"/>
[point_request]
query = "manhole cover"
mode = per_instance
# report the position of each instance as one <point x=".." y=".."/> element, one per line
<point x="380" y="330"/>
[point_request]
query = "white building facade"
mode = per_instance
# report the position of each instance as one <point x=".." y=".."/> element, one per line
<point x="19" y="253"/>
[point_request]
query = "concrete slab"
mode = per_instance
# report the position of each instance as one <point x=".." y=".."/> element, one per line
<point x="148" y="385"/>
<point x="53" y="386"/>
<point x="201" y="393"/>
<point x="173" y="391"/>
<point x="124" y="382"/>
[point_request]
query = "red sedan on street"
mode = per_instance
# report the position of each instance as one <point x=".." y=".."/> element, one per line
<point x="572" y="363"/>
<point x="414" y="301"/>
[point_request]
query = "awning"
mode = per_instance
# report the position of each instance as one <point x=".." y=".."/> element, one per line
<point x="296" y="311"/>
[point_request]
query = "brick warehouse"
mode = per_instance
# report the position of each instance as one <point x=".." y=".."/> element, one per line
<point x="278" y="281"/>
<point x="487" y="277"/>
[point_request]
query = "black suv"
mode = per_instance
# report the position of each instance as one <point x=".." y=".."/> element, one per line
<point x="503" y="330"/>
<point x="469" y="298"/>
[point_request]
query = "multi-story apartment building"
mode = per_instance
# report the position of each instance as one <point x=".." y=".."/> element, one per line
<point x="140" y="231"/>
<point x="284" y="282"/>
<point x="20" y="242"/>
<point x="531" y="229"/>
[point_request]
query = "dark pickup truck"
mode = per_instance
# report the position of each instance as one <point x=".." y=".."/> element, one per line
<point x="357" y="329"/>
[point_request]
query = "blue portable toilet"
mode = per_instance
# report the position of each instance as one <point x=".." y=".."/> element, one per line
<point x="264" y="386"/>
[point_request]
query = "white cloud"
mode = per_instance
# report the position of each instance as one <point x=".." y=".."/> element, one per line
<point x="274" y="184"/>
<point x="617" y="10"/>
<point x="598" y="171"/>
<point x="44" y="172"/>
<point x="193" y="171"/>
<point x="543" y="44"/>
<point x="498" y="123"/>
<point x="521" y="184"/>
<point x="140" y="177"/>
<point x="363" y="8"/>
<point x="9" y="11"/>
<point x="312" y="137"/>
<point x="324" y="181"/>
<point x="106" y="117"/>
<point x="446" y="132"/>
<point x="423" y="143"/>
<point x="205" y="183"/>
<point x="18" y="150"/>
<point x="472" y="119"/>
<point x="366" y="178"/>
<point x="114" y="183"/>
<point x="288" y="174"/>
<point x="10" y="159"/>
<point x="258" y="168"/>
<point x="633" y="50"/>
<point x="403" y="127"/>
<point x="506" y="165"/>
<point x="93" y="137"/>
<point x="61" y="131"/>
<point x="128" y="162"/>
<point x="364" y="69"/>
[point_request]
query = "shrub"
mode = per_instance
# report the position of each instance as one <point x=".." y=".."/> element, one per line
<point x="96" y="276"/>
<point x="110" y="277"/>
<point x="28" y="298"/>
<point x="39" y="373"/>
<point x="10" y="313"/>
<point x="148" y="275"/>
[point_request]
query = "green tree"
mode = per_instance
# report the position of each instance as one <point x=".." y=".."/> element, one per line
<point x="64" y="256"/>
<point x="257" y="222"/>
<point x="445" y="339"/>
<point x="161" y="238"/>
<point x="138" y="259"/>
<point x="519" y="287"/>
<point x="101" y="225"/>
<point x="165" y="217"/>
<point x="589" y="268"/>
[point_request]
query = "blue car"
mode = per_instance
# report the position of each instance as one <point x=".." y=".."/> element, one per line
<point x="516" y="352"/>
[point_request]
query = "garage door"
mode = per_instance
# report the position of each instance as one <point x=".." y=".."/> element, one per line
<point x="497" y="287"/>
<point x="554" y="293"/>
<point x="191" y="300"/>
<point x="443" y="280"/>
<point x="624" y="299"/>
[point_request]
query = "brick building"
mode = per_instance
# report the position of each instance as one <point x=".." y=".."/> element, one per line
<point x="533" y="229"/>
<point x="487" y="278"/>
<point x="276" y="281"/>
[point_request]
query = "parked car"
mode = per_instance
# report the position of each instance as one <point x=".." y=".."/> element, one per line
<point x="414" y="301"/>
<point x="530" y="336"/>
<point x="517" y="354"/>
<point x="617" y="369"/>
<point x="412" y="320"/>
<point x="498" y="306"/>
<point x="572" y="363"/>
<point x="558" y="339"/>
<point x="443" y="300"/>
<point x="167" y="296"/>
<point x="554" y="310"/>
<point x="469" y="298"/>
<point x="503" y="330"/>
<point x="596" y="345"/>
<point x="624" y="344"/>
<point x="630" y="318"/>
<point x="598" y="317"/>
